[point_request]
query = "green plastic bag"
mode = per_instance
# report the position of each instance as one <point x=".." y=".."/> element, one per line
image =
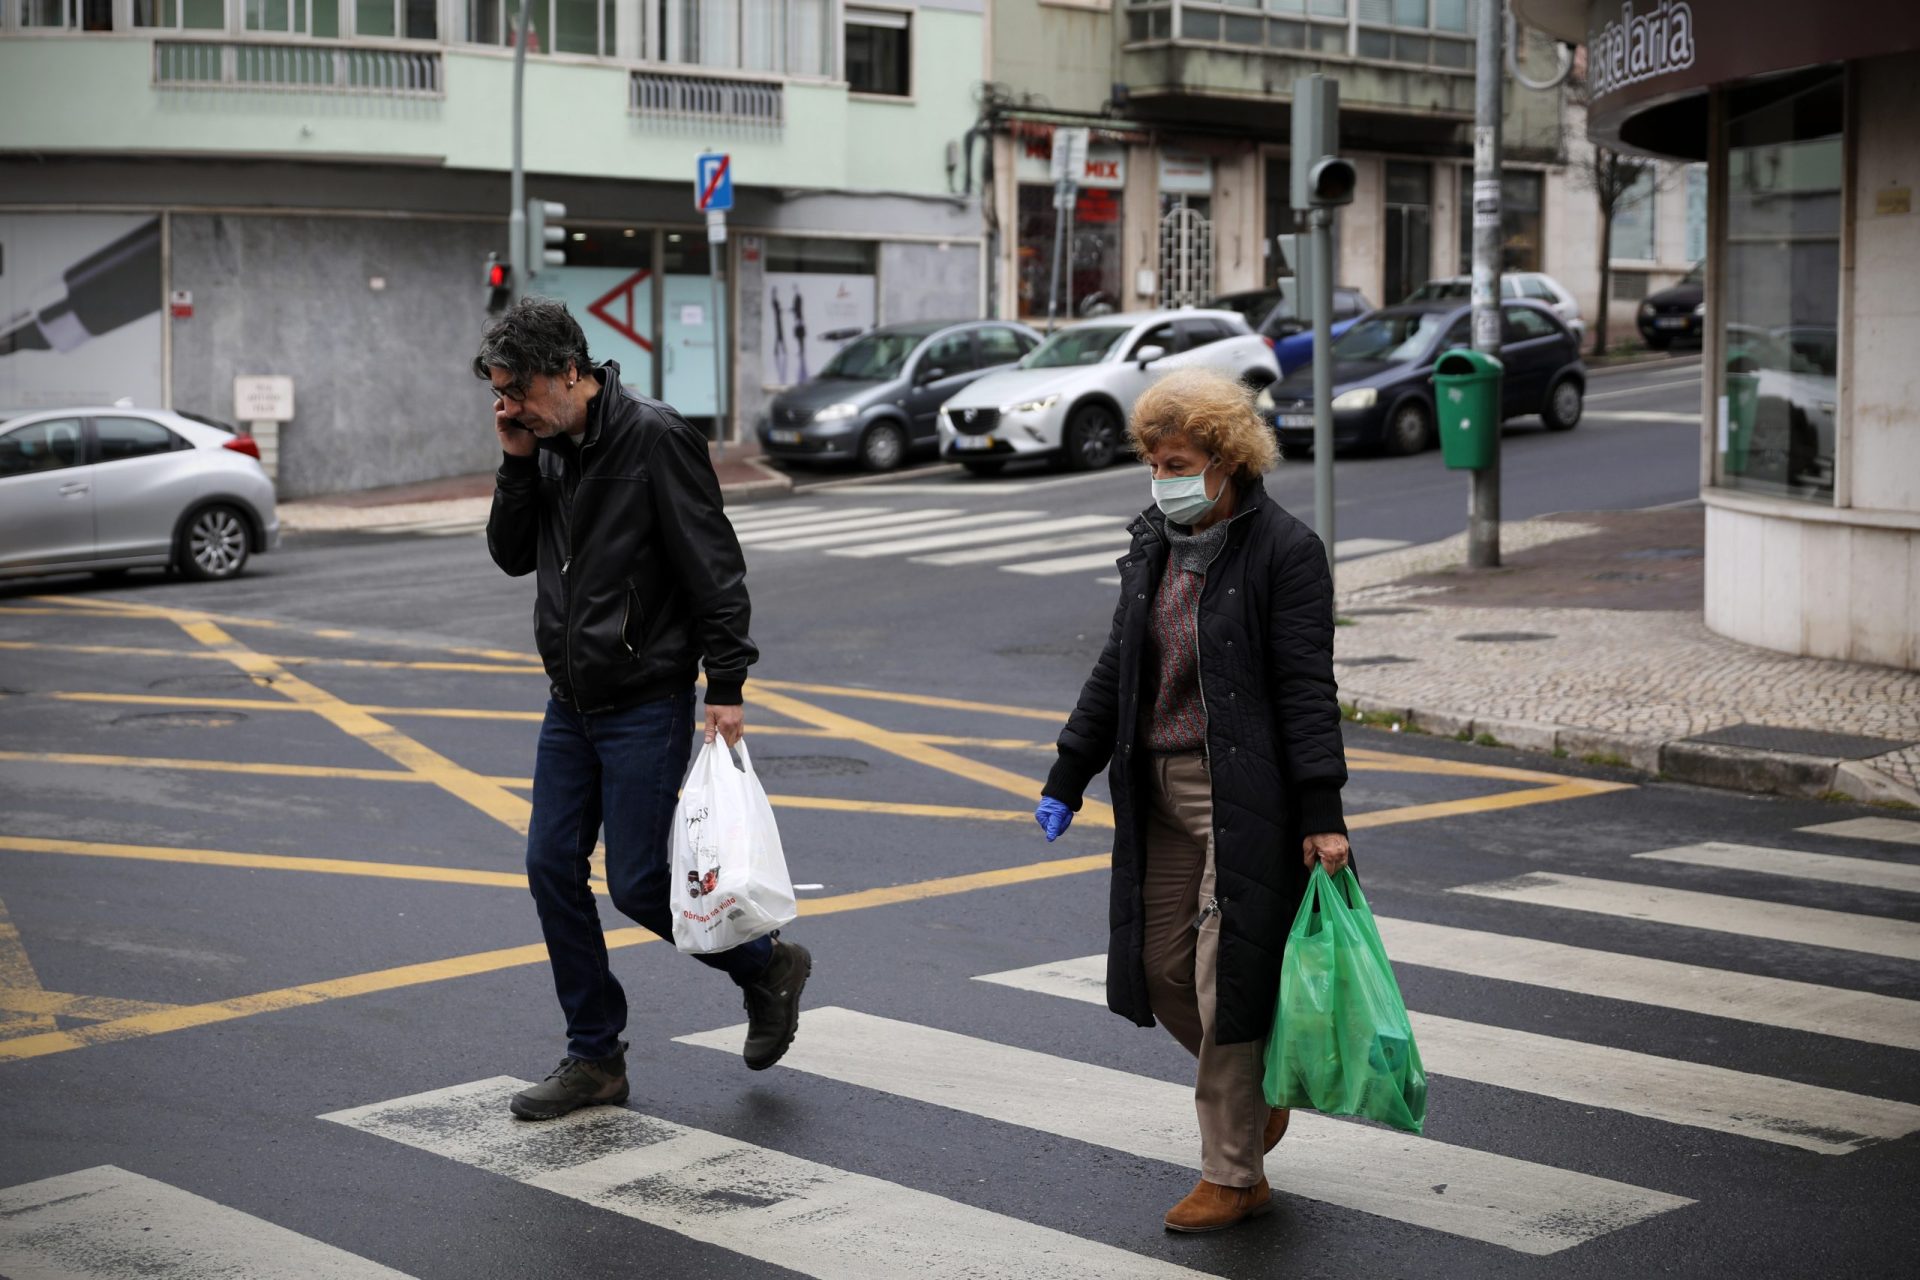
<point x="1341" y="1042"/>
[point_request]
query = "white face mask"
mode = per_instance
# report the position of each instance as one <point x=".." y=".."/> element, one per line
<point x="1183" y="499"/>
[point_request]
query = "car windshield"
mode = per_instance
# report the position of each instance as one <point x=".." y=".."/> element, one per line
<point x="878" y="357"/>
<point x="1390" y="335"/>
<point x="1083" y="344"/>
<point x="1441" y="289"/>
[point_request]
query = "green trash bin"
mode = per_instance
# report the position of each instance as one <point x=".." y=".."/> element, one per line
<point x="1743" y="403"/>
<point x="1466" y="390"/>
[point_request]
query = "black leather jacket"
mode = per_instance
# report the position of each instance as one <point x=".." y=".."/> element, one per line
<point x="640" y="573"/>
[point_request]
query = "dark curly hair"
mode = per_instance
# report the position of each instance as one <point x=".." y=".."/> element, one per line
<point x="534" y="335"/>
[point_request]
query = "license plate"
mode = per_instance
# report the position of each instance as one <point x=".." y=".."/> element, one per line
<point x="1296" y="420"/>
<point x="1670" y="322"/>
<point x="964" y="444"/>
<point x="784" y="437"/>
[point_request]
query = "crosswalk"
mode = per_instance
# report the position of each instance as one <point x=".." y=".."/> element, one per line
<point x="765" y="1203"/>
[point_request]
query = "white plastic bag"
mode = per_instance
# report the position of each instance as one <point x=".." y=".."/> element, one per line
<point x="730" y="883"/>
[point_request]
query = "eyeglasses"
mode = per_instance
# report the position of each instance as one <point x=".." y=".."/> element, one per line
<point x="514" y="391"/>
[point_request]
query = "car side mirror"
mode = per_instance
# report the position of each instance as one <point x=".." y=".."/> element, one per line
<point x="1147" y="355"/>
<point x="933" y="374"/>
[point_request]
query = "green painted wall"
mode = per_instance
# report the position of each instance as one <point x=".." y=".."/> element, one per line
<point x="894" y="146"/>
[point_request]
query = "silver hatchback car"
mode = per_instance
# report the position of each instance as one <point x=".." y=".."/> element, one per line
<point x="101" y="490"/>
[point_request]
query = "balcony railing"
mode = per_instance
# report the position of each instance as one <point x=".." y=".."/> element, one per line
<point x="305" y="67"/>
<point x="673" y="98"/>
<point x="1374" y="30"/>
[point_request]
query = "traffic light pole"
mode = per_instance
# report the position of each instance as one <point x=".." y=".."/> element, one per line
<point x="517" y="215"/>
<point x="1320" y="283"/>
<point x="1483" y="501"/>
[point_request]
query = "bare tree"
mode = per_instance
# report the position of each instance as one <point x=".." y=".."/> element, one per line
<point x="1613" y="177"/>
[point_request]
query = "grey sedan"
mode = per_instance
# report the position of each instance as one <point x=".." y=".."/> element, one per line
<point x="104" y="490"/>
<point x="878" y="398"/>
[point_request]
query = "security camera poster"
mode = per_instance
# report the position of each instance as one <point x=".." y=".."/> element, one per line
<point x="80" y="299"/>
<point x="808" y="317"/>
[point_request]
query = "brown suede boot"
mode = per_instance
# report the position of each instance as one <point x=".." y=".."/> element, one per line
<point x="1212" y="1207"/>
<point x="1277" y="1126"/>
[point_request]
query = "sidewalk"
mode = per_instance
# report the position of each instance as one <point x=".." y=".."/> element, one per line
<point x="459" y="499"/>
<point x="1589" y="643"/>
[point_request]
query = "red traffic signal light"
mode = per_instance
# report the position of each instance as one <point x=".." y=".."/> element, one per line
<point x="499" y="289"/>
<point x="496" y="275"/>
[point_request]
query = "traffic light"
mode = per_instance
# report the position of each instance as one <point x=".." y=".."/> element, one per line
<point x="1321" y="178"/>
<point x="541" y="233"/>
<point x="499" y="284"/>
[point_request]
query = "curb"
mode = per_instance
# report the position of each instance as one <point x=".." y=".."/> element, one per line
<point x="772" y="484"/>
<point x="1656" y="362"/>
<point x="1743" y="769"/>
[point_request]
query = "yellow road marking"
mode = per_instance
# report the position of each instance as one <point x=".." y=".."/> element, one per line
<point x="1363" y="758"/>
<point x="17" y="973"/>
<point x="200" y="1015"/>
<point x="268" y="862"/>
<point x="282" y="659"/>
<point x="912" y="700"/>
<point x="1567" y="790"/>
<point x="455" y="779"/>
<point x="159" y="613"/>
<point x="92" y="1008"/>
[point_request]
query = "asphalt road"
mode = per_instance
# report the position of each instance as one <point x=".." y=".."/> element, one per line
<point x="259" y="860"/>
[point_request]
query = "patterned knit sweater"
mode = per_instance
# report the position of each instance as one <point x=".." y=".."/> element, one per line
<point x="1179" y="720"/>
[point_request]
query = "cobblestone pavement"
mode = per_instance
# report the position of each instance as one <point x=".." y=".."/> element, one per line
<point x="1610" y="681"/>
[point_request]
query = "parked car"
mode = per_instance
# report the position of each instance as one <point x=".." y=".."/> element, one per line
<point x="1538" y="286"/>
<point x="1383" y="376"/>
<point x="1070" y="398"/>
<point x="1284" y="319"/>
<point x="876" y="400"/>
<point x="102" y="490"/>
<point x="1675" y="314"/>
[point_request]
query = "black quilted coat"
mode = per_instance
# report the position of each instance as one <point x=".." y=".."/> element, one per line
<point x="1273" y="736"/>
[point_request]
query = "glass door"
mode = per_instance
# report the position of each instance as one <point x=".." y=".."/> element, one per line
<point x="691" y="328"/>
<point x="1409" y="229"/>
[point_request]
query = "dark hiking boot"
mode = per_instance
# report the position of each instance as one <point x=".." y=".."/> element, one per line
<point x="575" y="1083"/>
<point x="773" y="1004"/>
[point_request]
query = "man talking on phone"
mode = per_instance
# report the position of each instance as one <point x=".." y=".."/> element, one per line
<point x="611" y="499"/>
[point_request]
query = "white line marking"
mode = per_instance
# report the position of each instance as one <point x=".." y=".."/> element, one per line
<point x="1646" y="415"/>
<point x="1868" y="873"/>
<point x="1610" y="975"/>
<point x="1115" y="538"/>
<point x="107" y="1224"/>
<point x="1351" y="548"/>
<point x="1013" y="538"/>
<point x="1108" y="582"/>
<point x="1644" y="388"/>
<point x="1068" y="564"/>
<point x="1828" y="1121"/>
<point x="814" y="523"/>
<point x="1531" y="1208"/>
<point x="1748" y="917"/>
<point x="897" y="526"/>
<point x="1892" y="829"/>
<point x="761" y="1203"/>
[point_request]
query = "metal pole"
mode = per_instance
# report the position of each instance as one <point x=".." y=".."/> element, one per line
<point x="1483" y="501"/>
<point x="716" y="245"/>
<point x="1059" y="227"/>
<point x="1320" y="284"/>
<point x="517" y="214"/>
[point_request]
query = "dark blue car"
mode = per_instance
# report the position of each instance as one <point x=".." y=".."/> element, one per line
<point x="1383" y="376"/>
<point x="1274" y="314"/>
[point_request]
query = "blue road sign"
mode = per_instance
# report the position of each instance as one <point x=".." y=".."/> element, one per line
<point x="713" y="184"/>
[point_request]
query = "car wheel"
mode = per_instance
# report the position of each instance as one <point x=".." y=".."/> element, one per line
<point x="1410" y="429"/>
<point x="883" y="448"/>
<point x="984" y="468"/>
<point x="1093" y="438"/>
<point x="1564" y="403"/>
<point x="213" y="545"/>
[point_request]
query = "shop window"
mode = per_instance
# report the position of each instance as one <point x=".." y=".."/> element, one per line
<point x="1779" y="282"/>
<point x="879" y="52"/>
<point x="1521" y="195"/>
<point x="1091" y="253"/>
<point x="1696" y="189"/>
<point x="1633" y="220"/>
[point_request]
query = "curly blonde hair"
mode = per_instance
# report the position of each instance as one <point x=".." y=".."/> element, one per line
<point x="1210" y="411"/>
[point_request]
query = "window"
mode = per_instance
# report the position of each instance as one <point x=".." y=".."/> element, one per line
<point x="1423" y="32"/>
<point x="789" y="37"/>
<point x="193" y="15"/>
<point x="1163" y="336"/>
<point x="120" y="438"/>
<point x="1002" y="346"/>
<point x="1633" y="221"/>
<point x="1521" y="194"/>
<point x="555" y="26"/>
<point x="950" y="355"/>
<point x="294" y="17"/>
<point x="1629" y="286"/>
<point x="1198" y="333"/>
<point x="1090" y="270"/>
<point x="879" y="52"/>
<point x="1348" y="304"/>
<point x="40" y="446"/>
<point x="1537" y="288"/>
<point x="1780" y="287"/>
<point x="1523" y="324"/>
<point x="76" y="15"/>
<point x="1696" y="188"/>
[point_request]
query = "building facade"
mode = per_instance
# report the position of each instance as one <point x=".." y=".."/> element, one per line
<point x="192" y="190"/>
<point x="1808" y="122"/>
<point x="1186" y="180"/>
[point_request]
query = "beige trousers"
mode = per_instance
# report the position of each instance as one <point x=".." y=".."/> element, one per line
<point x="1182" y="961"/>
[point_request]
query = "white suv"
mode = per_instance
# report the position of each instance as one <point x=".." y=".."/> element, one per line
<point x="1071" y="396"/>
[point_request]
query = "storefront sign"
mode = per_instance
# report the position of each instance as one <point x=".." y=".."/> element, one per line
<point x="267" y="398"/>
<point x="1106" y="164"/>
<point x="1185" y="174"/>
<point x="1635" y="47"/>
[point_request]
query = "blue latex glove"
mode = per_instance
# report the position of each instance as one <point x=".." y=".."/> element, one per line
<point x="1054" y="818"/>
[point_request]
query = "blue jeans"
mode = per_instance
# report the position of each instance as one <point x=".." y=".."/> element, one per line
<point x="622" y="769"/>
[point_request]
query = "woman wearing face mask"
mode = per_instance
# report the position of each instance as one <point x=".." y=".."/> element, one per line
<point x="1214" y="703"/>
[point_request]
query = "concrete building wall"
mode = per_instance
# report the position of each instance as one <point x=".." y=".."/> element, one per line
<point x="1060" y="50"/>
<point x="1884" y="391"/>
<point x="382" y="388"/>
